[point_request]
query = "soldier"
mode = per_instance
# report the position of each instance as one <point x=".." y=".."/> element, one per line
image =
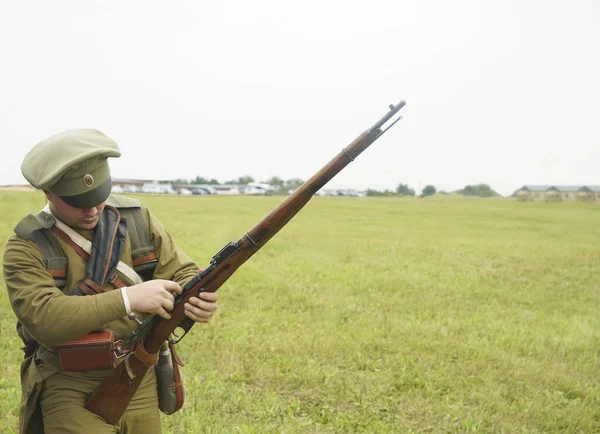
<point x="59" y="294"/>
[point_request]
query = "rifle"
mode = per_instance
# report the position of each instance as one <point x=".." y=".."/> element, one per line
<point x="112" y="396"/>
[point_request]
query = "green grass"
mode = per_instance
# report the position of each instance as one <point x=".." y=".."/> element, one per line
<point x="382" y="316"/>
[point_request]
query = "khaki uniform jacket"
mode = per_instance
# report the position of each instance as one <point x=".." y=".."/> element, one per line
<point x="52" y="317"/>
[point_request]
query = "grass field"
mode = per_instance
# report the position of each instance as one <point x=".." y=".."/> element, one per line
<point x="382" y="315"/>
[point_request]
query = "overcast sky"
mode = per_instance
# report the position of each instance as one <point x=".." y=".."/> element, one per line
<point x="498" y="92"/>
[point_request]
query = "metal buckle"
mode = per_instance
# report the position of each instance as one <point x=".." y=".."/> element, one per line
<point x="118" y="350"/>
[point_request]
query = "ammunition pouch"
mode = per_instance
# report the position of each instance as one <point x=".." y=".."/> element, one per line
<point x="92" y="352"/>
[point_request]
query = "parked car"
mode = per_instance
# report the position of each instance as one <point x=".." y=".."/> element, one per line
<point x="205" y="189"/>
<point x="257" y="188"/>
<point x="208" y="189"/>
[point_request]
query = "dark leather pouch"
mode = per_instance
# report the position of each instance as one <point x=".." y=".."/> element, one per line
<point x="91" y="352"/>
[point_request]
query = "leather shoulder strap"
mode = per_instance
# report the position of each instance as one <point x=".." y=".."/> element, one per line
<point x="37" y="228"/>
<point x="143" y="254"/>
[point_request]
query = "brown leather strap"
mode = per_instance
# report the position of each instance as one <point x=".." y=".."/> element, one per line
<point x="177" y="380"/>
<point x="88" y="286"/>
<point x="144" y="356"/>
<point x="85" y="255"/>
<point x="144" y="259"/>
<point x="114" y="279"/>
<point x="85" y="289"/>
<point x="58" y="273"/>
<point x="176" y="358"/>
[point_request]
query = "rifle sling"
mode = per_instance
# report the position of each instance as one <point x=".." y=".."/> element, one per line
<point x="144" y="356"/>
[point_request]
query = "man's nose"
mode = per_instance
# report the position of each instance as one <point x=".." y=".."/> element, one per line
<point x="91" y="212"/>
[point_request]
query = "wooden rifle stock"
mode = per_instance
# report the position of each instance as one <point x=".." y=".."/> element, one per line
<point x="112" y="396"/>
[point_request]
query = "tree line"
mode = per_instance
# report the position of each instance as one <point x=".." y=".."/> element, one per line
<point x="283" y="186"/>
<point x="479" y="190"/>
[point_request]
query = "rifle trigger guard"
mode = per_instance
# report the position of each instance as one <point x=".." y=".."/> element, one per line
<point x="176" y="338"/>
<point x="183" y="329"/>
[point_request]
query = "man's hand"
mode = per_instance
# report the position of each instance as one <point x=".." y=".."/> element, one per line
<point x="201" y="309"/>
<point x="153" y="296"/>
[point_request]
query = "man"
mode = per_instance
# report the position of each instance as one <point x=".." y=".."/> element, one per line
<point x="70" y="294"/>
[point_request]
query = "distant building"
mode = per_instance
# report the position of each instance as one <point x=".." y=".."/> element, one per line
<point x="155" y="187"/>
<point x="125" y="185"/>
<point x="230" y="189"/>
<point x="125" y="182"/>
<point x="558" y="193"/>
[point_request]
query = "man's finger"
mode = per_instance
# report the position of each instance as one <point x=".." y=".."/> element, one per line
<point x="197" y="310"/>
<point x="210" y="306"/>
<point x="171" y="286"/>
<point x="209" y="296"/>
<point x="169" y="296"/>
<point x="163" y="313"/>
<point x="195" y="317"/>
<point x="207" y="306"/>
<point x="167" y="304"/>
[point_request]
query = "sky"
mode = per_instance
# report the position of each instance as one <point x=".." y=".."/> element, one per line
<point x="498" y="92"/>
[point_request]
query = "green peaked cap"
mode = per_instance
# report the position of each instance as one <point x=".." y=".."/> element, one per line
<point x="73" y="165"/>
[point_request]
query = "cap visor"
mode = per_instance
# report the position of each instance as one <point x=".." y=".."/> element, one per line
<point x="90" y="198"/>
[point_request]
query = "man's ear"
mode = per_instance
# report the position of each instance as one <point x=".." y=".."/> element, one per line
<point x="48" y="195"/>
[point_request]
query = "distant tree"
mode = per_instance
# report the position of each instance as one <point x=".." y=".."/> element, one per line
<point x="404" y="190"/>
<point x="485" y="190"/>
<point x="276" y="181"/>
<point x="199" y="180"/>
<point x="428" y="191"/>
<point x="481" y="190"/>
<point x="292" y="184"/>
<point x="244" y="180"/>
<point x="373" y="192"/>
<point x="469" y="190"/>
<point x="283" y="187"/>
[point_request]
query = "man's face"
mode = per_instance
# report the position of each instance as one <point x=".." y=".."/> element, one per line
<point x="76" y="218"/>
